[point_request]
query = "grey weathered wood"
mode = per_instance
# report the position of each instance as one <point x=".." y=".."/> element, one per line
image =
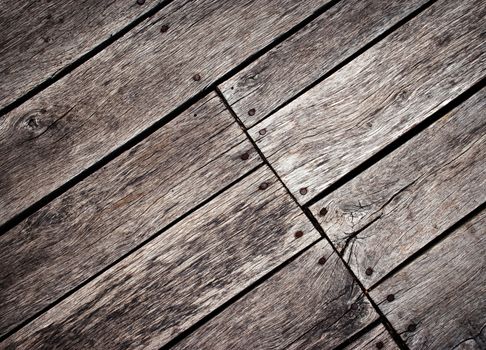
<point x="377" y="338"/>
<point x="306" y="305"/>
<point x="347" y="118"/>
<point x="115" y="209"/>
<point x="182" y="275"/>
<point x="442" y="293"/>
<point x="394" y="208"/>
<point x="39" y="38"/>
<point x="299" y="61"/>
<point x="129" y="86"/>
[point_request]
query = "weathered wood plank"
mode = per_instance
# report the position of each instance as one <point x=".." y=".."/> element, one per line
<point x="299" y="61"/>
<point x="343" y="121"/>
<point x="129" y="86"/>
<point x="397" y="206"/>
<point x="377" y="338"/>
<point x="119" y="206"/>
<point x="39" y="38"/>
<point x="439" y="299"/>
<point x="310" y="304"/>
<point x="182" y="275"/>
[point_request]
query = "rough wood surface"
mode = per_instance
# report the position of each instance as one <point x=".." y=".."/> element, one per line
<point x="299" y="61"/>
<point x="183" y="274"/>
<point x="127" y="87"/>
<point x="370" y="102"/>
<point x="440" y="297"/>
<point x="39" y="38"/>
<point x="103" y="217"/>
<point x="377" y="338"/>
<point x="394" y="208"/>
<point x="309" y="304"/>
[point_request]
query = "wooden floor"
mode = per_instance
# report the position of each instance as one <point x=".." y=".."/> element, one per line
<point x="243" y="174"/>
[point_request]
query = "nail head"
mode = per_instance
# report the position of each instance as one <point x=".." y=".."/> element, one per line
<point x="412" y="327"/>
<point x="390" y="297"/>
<point x="369" y="271"/>
<point x="263" y="186"/>
<point x="251" y="111"/>
<point x="196" y="77"/>
<point x="323" y="212"/>
<point x="245" y="156"/>
<point x="299" y="234"/>
<point x="263" y="132"/>
<point x="164" y="28"/>
<point x="380" y="345"/>
<point x="322" y="261"/>
<point x="354" y="306"/>
<point x="140" y="2"/>
<point x="303" y="191"/>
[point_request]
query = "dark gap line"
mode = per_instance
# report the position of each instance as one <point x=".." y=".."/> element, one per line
<point x="358" y="335"/>
<point x="398" y="142"/>
<point x="348" y="59"/>
<point x="23" y="214"/>
<point x="131" y="251"/>
<point x="316" y="225"/>
<point x="83" y="58"/>
<point x="217" y="311"/>
<point x="437" y="240"/>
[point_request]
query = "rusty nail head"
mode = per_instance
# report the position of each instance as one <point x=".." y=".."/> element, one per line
<point x="164" y="28"/>
<point x="369" y="271"/>
<point x="263" y="132"/>
<point x="354" y="306"/>
<point x="323" y="212"/>
<point x="196" y="77"/>
<point x="251" y="111"/>
<point x="299" y="234"/>
<point x="380" y="345"/>
<point x="303" y="191"/>
<point x="412" y="327"/>
<point x="140" y="2"/>
<point x="245" y="156"/>
<point x="322" y="261"/>
<point x="263" y="186"/>
<point x="390" y="297"/>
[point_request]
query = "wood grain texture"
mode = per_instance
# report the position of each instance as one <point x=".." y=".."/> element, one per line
<point x="397" y="206"/>
<point x="306" y="305"/>
<point x="111" y="212"/>
<point x="299" y="61"/>
<point x="377" y="338"/>
<point x="128" y="87"/>
<point x="39" y="38"/>
<point x="340" y="123"/>
<point x="442" y="293"/>
<point x="179" y="277"/>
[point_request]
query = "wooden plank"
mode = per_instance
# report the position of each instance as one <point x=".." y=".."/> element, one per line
<point x="128" y="87"/>
<point x="397" y="206"/>
<point x="310" y="304"/>
<point x="111" y="212"/>
<point x="179" y="277"/>
<point x="299" y="61"/>
<point x="377" y="338"/>
<point x="439" y="298"/>
<point x="340" y="123"/>
<point x="39" y="38"/>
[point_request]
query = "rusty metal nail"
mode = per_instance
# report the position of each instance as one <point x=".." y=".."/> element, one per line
<point x="369" y="271"/>
<point x="196" y="77"/>
<point x="322" y="261"/>
<point x="251" y="111"/>
<point x="299" y="234"/>
<point x="245" y="156"/>
<point x="303" y="191"/>
<point x="390" y="297"/>
<point x="140" y="2"/>
<point x="263" y="186"/>
<point x="323" y="212"/>
<point x="263" y="132"/>
<point x="412" y="327"/>
<point x="164" y="28"/>
<point x="380" y="345"/>
<point x="354" y="306"/>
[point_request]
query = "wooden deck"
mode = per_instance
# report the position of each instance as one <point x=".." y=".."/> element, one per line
<point x="243" y="174"/>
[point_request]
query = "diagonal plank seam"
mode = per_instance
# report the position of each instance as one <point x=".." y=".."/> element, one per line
<point x="315" y="223"/>
<point x="23" y="214"/>
<point x="124" y="256"/>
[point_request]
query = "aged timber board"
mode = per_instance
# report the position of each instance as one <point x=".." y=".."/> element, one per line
<point x="401" y="203"/>
<point x="109" y="213"/>
<point x="376" y="339"/>
<point x="182" y="275"/>
<point x="280" y="74"/>
<point x="39" y="38"/>
<point x="340" y="123"/>
<point x="128" y="87"/>
<point x="439" y="299"/>
<point x="312" y="303"/>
